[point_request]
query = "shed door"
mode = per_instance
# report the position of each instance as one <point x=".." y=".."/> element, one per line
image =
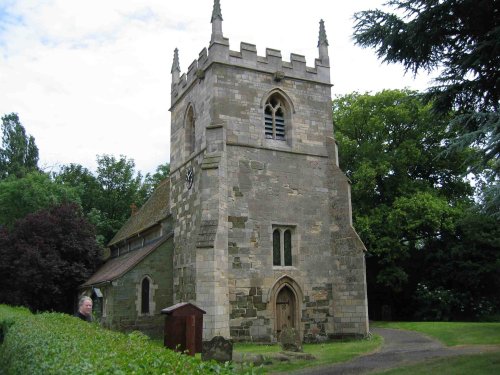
<point x="285" y="310"/>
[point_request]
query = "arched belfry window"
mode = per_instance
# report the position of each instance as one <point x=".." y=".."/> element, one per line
<point x="275" y="114"/>
<point x="190" y="130"/>
<point x="145" y="295"/>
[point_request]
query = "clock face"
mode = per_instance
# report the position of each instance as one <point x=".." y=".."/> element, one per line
<point x="189" y="177"/>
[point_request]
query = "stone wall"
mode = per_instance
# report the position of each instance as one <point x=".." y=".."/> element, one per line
<point x="246" y="185"/>
<point x="121" y="313"/>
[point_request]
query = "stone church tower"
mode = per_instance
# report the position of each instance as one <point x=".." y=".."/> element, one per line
<point x="263" y="237"/>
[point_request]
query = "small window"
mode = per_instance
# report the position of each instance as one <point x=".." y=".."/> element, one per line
<point x="282" y="246"/>
<point x="190" y="131"/>
<point x="274" y="118"/>
<point x="145" y="296"/>
<point x="276" y="248"/>
<point x="288" y="247"/>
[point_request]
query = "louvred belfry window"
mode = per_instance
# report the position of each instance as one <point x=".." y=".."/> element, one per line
<point x="274" y="118"/>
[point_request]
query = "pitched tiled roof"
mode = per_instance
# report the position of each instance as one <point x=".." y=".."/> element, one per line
<point x="156" y="208"/>
<point x="116" y="267"/>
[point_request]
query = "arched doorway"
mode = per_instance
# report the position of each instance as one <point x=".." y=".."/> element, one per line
<point x="286" y="310"/>
<point x="285" y="300"/>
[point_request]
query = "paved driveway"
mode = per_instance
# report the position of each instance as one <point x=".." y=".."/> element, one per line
<point x="400" y="348"/>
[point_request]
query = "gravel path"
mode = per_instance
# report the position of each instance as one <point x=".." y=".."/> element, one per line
<point x="400" y="348"/>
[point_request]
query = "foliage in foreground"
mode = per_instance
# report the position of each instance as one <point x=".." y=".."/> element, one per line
<point x="55" y="343"/>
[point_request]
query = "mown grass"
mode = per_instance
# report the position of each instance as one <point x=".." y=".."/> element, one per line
<point x="326" y="353"/>
<point x="478" y="364"/>
<point x="452" y="333"/>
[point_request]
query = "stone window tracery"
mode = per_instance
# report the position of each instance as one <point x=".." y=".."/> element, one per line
<point x="274" y="118"/>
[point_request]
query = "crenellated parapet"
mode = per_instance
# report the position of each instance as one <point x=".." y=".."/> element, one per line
<point x="247" y="58"/>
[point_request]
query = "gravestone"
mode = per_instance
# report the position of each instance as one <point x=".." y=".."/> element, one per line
<point x="290" y="340"/>
<point x="218" y="349"/>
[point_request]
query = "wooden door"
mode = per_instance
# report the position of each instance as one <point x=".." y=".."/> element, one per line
<point x="285" y="310"/>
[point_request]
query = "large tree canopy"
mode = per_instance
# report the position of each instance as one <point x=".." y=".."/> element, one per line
<point x="461" y="40"/>
<point x="18" y="153"/>
<point x="107" y="195"/>
<point x="35" y="191"/>
<point x="83" y="181"/>
<point x="406" y="198"/>
<point x="45" y="257"/>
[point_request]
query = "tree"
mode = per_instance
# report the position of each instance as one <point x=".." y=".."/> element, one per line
<point x="45" y="257"/>
<point x="108" y="195"/>
<point x="461" y="39"/>
<point x="152" y="181"/>
<point x="19" y="153"/>
<point x="462" y="267"/>
<point x="120" y="188"/>
<point x="404" y="196"/>
<point x="83" y="181"/>
<point x="35" y="191"/>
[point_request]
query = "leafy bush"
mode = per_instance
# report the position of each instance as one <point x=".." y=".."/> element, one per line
<point x="7" y="318"/>
<point x="440" y="304"/>
<point x="55" y="343"/>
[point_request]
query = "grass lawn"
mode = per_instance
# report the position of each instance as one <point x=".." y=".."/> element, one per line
<point x="479" y="364"/>
<point x="326" y="353"/>
<point x="452" y="333"/>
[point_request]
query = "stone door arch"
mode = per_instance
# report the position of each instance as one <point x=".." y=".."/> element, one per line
<point x="286" y="303"/>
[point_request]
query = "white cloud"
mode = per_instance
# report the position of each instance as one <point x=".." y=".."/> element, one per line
<point x="93" y="77"/>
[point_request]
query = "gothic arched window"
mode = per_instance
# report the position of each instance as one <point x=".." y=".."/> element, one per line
<point x="287" y="247"/>
<point x="145" y="294"/>
<point x="276" y="248"/>
<point x="282" y="246"/>
<point x="190" y="131"/>
<point x="274" y="118"/>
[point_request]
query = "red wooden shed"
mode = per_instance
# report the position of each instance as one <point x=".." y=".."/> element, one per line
<point x="183" y="327"/>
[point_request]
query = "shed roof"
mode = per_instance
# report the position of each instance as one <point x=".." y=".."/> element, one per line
<point x="156" y="208"/>
<point x="181" y="305"/>
<point x="117" y="267"/>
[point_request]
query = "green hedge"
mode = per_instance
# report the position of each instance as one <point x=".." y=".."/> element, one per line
<point x="54" y="343"/>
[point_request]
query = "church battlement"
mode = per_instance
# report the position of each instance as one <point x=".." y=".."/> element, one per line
<point x="247" y="58"/>
<point x="219" y="53"/>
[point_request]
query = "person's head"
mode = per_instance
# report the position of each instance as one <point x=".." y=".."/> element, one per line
<point x="85" y="306"/>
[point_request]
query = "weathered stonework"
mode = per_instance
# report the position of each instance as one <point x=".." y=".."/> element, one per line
<point x="261" y="217"/>
<point x="246" y="186"/>
<point x="121" y="304"/>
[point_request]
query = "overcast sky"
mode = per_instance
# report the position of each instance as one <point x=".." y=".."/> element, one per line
<point x="92" y="77"/>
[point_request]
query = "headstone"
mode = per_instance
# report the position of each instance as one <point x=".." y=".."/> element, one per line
<point x="218" y="349"/>
<point x="290" y="340"/>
